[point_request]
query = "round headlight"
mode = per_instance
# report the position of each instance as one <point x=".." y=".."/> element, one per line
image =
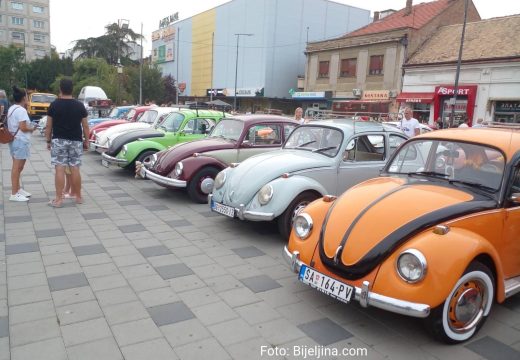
<point x="124" y="150"/>
<point x="220" y="179"/>
<point x="265" y="194"/>
<point x="303" y="225"/>
<point x="411" y="266"/>
<point x="178" y="168"/>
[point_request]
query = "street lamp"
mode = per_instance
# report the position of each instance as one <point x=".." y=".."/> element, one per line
<point x="457" y="73"/>
<point x="121" y="24"/>
<point x="236" y="70"/>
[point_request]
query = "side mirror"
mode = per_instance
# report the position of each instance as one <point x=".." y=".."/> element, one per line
<point x="515" y="198"/>
<point x="246" y="143"/>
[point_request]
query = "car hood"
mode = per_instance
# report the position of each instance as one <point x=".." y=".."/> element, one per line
<point x="129" y="136"/>
<point x="260" y="169"/>
<point x="117" y="130"/>
<point x="106" y="124"/>
<point x="167" y="159"/>
<point x="349" y="224"/>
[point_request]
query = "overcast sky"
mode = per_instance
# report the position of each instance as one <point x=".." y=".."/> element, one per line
<point x="72" y="20"/>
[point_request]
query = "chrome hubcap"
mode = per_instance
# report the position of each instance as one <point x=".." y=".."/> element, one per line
<point x="467" y="306"/>
<point x="299" y="208"/>
<point x="206" y="185"/>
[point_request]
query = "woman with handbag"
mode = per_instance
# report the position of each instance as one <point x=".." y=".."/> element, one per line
<point x="20" y="126"/>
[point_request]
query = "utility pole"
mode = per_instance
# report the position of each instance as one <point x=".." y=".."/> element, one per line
<point x="456" y="90"/>
<point x="177" y="80"/>
<point x="141" y="70"/>
<point x="212" y="52"/>
<point x="236" y="71"/>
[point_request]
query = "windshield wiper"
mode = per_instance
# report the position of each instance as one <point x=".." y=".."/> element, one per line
<point x="304" y="144"/>
<point x="472" y="184"/>
<point x="325" y="148"/>
<point x="429" y="173"/>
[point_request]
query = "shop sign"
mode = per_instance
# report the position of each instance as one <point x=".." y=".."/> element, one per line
<point x="168" y="20"/>
<point x="215" y="92"/>
<point x="308" y="95"/>
<point x="376" y="95"/>
<point x="165" y="34"/>
<point x="244" y="92"/>
<point x="451" y="91"/>
<point x="507" y="106"/>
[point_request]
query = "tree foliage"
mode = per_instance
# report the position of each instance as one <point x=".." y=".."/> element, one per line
<point x="12" y="67"/>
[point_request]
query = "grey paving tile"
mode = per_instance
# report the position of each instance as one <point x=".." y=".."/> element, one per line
<point x="2" y="237"/>
<point x="154" y="251"/>
<point x="32" y="331"/>
<point x="119" y="195"/>
<point x="72" y="296"/>
<point x="132" y="228"/>
<point x="21" y="248"/>
<point x="324" y="331"/>
<point x="104" y="349"/>
<point x="116" y="296"/>
<point x="73" y="313"/>
<point x="214" y="313"/>
<point x="493" y="349"/>
<point x="29" y="295"/>
<point x="85" y="331"/>
<point x="70" y="281"/>
<point x="248" y="252"/>
<point x="207" y="214"/>
<point x="94" y="216"/>
<point x="136" y="331"/>
<point x="88" y="249"/>
<point x="157" y="207"/>
<point x="17" y="219"/>
<point x="109" y="188"/>
<point x="203" y="349"/>
<point x="4" y="326"/>
<point x="185" y="332"/>
<point x="260" y="283"/>
<point x="31" y="312"/>
<point x="280" y="331"/>
<point x="233" y="331"/>
<point x="128" y="202"/>
<point x="178" y="223"/>
<point x="121" y="313"/>
<point x="39" y="200"/>
<point x="170" y="313"/>
<point x="173" y="271"/>
<point x="153" y="349"/>
<point x="52" y="349"/>
<point x="49" y="233"/>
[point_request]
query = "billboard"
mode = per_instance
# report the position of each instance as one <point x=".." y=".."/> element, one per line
<point x="166" y="51"/>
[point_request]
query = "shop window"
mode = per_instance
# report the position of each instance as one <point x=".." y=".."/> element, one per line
<point x="376" y="65"/>
<point x="323" y="70"/>
<point x="348" y="68"/>
<point x="507" y="112"/>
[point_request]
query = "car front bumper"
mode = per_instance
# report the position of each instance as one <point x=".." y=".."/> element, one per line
<point x="243" y="214"/>
<point x="162" y="180"/>
<point x="114" y="160"/>
<point x="367" y="298"/>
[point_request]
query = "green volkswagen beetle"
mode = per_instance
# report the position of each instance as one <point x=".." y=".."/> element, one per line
<point x="179" y="126"/>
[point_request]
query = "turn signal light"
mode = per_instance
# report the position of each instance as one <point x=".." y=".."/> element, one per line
<point x="329" y="198"/>
<point x="441" y="229"/>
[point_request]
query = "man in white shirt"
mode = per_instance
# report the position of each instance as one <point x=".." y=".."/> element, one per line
<point x="479" y="123"/>
<point x="410" y="125"/>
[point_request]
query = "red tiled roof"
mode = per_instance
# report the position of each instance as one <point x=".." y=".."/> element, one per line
<point x="421" y="14"/>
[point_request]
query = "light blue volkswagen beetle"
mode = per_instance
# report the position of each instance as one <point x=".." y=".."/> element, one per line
<point x="325" y="157"/>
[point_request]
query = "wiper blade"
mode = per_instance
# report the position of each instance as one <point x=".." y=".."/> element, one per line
<point x="472" y="184"/>
<point x="325" y="148"/>
<point x="429" y="173"/>
<point x="304" y="144"/>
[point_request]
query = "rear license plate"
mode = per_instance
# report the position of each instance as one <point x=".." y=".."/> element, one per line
<point x="223" y="209"/>
<point x="326" y="284"/>
<point x="105" y="163"/>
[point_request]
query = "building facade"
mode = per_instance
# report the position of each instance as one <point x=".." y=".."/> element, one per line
<point x="489" y="79"/>
<point x="201" y="51"/>
<point x="26" y="24"/>
<point x="363" y="69"/>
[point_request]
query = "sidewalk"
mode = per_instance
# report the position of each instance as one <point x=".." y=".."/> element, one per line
<point x="140" y="272"/>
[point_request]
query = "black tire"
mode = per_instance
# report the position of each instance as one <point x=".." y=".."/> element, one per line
<point x="285" y="220"/>
<point x="442" y="323"/>
<point x="194" y="186"/>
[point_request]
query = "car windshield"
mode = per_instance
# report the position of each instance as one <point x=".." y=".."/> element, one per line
<point x="148" y="117"/>
<point x="43" y="98"/>
<point x="321" y="139"/>
<point x="130" y="114"/>
<point x="228" y="129"/>
<point x="474" y="165"/>
<point x="114" y="114"/>
<point x="172" y="122"/>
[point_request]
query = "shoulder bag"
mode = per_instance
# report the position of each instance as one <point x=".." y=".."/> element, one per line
<point x="5" y="136"/>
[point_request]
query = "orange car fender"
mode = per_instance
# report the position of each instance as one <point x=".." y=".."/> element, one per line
<point x="447" y="256"/>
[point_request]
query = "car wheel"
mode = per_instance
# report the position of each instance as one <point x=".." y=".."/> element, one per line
<point x="285" y="220"/>
<point x="142" y="157"/>
<point x="201" y="184"/>
<point x="466" y="308"/>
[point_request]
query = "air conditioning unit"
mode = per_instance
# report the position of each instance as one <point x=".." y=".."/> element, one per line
<point x="356" y="92"/>
<point x="392" y="93"/>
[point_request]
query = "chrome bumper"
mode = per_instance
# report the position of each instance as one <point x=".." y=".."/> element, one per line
<point x="367" y="298"/>
<point x="114" y="160"/>
<point x="100" y="148"/>
<point x="246" y="214"/>
<point x="162" y="180"/>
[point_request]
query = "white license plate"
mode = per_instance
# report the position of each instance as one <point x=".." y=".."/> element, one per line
<point x="105" y="163"/>
<point x="325" y="284"/>
<point x="223" y="209"/>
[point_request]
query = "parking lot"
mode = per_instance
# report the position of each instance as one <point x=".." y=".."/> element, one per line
<point x="141" y="272"/>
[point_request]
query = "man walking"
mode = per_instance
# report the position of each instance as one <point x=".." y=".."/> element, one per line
<point x="410" y="125"/>
<point x="67" y="135"/>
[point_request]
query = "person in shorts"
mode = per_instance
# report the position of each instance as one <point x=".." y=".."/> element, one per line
<point x="67" y="135"/>
<point x="19" y="125"/>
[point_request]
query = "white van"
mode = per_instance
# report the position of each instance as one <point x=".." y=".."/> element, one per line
<point x="90" y="93"/>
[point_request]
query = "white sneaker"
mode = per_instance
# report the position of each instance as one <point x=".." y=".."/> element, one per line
<point x="24" y="193"/>
<point x="18" y="197"/>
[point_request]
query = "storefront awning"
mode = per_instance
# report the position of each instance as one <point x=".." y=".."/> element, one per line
<point x="417" y="97"/>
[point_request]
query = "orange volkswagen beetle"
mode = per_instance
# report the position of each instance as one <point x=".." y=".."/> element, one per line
<point x="437" y="236"/>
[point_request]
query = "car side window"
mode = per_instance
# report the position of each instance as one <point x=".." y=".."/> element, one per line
<point x="515" y="188"/>
<point x="394" y="141"/>
<point x="202" y="126"/>
<point x="261" y="135"/>
<point x="288" y="129"/>
<point x="365" y="148"/>
<point x="190" y="125"/>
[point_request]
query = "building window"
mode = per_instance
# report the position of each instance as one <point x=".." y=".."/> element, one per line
<point x="323" y="71"/>
<point x="348" y="68"/>
<point x="38" y="9"/>
<point x="17" y="5"/>
<point x="17" y="35"/>
<point x="39" y="37"/>
<point x="40" y="53"/>
<point x="16" y="20"/>
<point x="376" y="65"/>
<point x="38" y="24"/>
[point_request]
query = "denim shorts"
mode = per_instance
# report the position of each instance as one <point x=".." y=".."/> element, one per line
<point x="20" y="149"/>
<point x="66" y="152"/>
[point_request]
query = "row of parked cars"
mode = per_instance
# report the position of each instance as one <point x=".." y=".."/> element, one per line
<point x="426" y="227"/>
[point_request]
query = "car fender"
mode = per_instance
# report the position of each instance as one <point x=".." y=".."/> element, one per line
<point x="284" y="191"/>
<point x="444" y="268"/>
<point x="137" y="147"/>
<point x="193" y="164"/>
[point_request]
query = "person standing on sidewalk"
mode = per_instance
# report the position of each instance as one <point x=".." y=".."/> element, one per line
<point x="67" y="135"/>
<point x="19" y="125"/>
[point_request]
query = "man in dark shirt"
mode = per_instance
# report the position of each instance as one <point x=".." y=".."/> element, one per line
<point x="67" y="135"/>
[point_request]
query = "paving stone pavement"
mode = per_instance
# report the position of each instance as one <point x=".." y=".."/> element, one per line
<point x="140" y="272"/>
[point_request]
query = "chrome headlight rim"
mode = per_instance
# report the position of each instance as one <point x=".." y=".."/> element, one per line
<point x="179" y="167"/>
<point x="220" y="180"/>
<point x="124" y="150"/>
<point x="421" y="260"/>
<point x="265" y="194"/>
<point x="303" y="235"/>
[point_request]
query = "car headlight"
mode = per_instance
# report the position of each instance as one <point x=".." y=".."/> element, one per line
<point x="220" y="179"/>
<point x="178" y="168"/>
<point x="302" y="225"/>
<point x="265" y="194"/>
<point x="411" y="265"/>
<point x="124" y="150"/>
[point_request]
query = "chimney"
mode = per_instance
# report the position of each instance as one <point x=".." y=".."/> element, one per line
<point x="376" y="16"/>
<point x="408" y="10"/>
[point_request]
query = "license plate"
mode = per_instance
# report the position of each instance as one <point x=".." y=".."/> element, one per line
<point x="92" y="147"/>
<point x="223" y="209"/>
<point x="105" y="163"/>
<point x="326" y="284"/>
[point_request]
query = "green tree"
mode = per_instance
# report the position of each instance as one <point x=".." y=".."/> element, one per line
<point x="43" y="72"/>
<point x="153" y="83"/>
<point x="12" y="67"/>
